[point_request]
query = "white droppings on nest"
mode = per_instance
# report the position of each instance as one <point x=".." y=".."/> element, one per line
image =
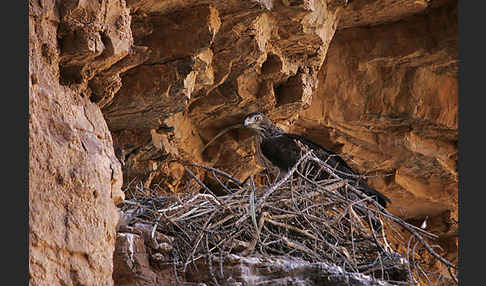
<point x="130" y="240"/>
<point x="298" y="270"/>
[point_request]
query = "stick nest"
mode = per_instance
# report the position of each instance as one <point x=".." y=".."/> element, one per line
<point x="294" y="216"/>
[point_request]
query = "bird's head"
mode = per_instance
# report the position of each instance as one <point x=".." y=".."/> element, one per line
<point x="255" y="120"/>
<point x="260" y="123"/>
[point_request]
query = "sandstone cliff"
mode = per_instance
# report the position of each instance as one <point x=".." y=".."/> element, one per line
<point x="154" y="81"/>
<point x="74" y="176"/>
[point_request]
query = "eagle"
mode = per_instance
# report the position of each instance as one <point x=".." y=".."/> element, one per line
<point x="281" y="149"/>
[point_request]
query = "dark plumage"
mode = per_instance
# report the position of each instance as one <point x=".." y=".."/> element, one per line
<point x="281" y="150"/>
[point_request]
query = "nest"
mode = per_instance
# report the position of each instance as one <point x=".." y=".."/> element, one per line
<point x="293" y="216"/>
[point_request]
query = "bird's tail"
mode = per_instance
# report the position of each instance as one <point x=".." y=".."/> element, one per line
<point x="368" y="216"/>
<point x="379" y="197"/>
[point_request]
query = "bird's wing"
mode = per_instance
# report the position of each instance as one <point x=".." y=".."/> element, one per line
<point x="262" y="159"/>
<point x="338" y="163"/>
<point x="325" y="154"/>
<point x="281" y="150"/>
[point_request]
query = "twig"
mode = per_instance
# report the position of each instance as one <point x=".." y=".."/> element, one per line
<point x="286" y="226"/>
<point x="201" y="183"/>
<point x="219" y="172"/>
<point x="220" y="134"/>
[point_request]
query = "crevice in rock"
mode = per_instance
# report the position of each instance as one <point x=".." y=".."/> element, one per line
<point x="273" y="64"/>
<point x="70" y="75"/>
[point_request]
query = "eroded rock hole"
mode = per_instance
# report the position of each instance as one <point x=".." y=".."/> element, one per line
<point x="288" y="92"/>
<point x="109" y="49"/>
<point x="273" y="64"/>
<point x="70" y="75"/>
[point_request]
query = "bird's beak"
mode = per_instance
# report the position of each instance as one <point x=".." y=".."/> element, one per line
<point x="250" y="123"/>
<point x="247" y="123"/>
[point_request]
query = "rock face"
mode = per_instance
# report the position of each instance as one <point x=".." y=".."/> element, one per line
<point x="74" y="176"/>
<point x="387" y="98"/>
<point x="247" y="56"/>
<point x="154" y="81"/>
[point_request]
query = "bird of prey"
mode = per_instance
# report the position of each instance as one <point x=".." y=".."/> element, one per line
<point x="282" y="151"/>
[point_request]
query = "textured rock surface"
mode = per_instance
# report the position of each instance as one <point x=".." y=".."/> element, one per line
<point x="246" y="56"/>
<point x="376" y="12"/>
<point x="74" y="176"/>
<point x="388" y="99"/>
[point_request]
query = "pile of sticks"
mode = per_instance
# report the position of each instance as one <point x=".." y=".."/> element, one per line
<point x="293" y="216"/>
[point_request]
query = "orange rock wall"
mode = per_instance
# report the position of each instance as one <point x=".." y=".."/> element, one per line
<point x="74" y="176"/>
<point x="387" y="98"/>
